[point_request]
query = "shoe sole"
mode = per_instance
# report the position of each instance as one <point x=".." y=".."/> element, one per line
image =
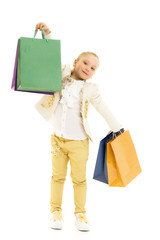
<point x="80" y="229"/>
<point x="56" y="227"/>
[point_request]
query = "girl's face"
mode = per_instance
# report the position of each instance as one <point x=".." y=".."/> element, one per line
<point x="85" y="67"/>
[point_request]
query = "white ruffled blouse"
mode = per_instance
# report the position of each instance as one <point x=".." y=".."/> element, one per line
<point x="67" y="119"/>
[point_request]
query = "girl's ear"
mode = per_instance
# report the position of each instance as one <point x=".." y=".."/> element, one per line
<point x="75" y="61"/>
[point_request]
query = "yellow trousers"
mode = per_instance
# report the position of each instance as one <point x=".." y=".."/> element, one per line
<point x="77" y="152"/>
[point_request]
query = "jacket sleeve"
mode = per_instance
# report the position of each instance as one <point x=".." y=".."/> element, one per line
<point x="45" y="106"/>
<point x="49" y="36"/>
<point x="97" y="101"/>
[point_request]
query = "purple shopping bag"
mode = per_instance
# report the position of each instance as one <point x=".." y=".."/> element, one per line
<point x="14" y="79"/>
<point x="14" y="82"/>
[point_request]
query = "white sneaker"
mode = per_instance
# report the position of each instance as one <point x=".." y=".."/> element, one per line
<point x="56" y="220"/>
<point x="82" y="222"/>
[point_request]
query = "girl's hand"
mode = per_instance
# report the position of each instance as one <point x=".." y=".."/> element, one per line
<point x="41" y="25"/>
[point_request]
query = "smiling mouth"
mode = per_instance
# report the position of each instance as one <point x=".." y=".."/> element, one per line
<point x="84" y="72"/>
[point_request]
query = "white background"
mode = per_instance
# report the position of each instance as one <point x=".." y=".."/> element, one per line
<point x="125" y="34"/>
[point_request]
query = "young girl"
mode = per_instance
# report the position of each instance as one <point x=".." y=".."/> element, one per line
<point x="67" y="111"/>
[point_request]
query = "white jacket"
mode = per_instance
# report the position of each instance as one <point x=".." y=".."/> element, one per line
<point x="89" y="94"/>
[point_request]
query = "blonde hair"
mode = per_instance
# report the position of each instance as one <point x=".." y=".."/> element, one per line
<point x="85" y="53"/>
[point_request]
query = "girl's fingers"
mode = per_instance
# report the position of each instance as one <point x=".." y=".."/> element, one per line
<point x="45" y="28"/>
<point x="40" y="25"/>
<point x="37" y="26"/>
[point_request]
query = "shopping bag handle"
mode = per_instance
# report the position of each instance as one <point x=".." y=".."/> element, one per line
<point x="43" y="34"/>
<point x="115" y="134"/>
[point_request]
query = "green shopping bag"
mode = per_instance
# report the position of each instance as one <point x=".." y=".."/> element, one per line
<point x="39" y="64"/>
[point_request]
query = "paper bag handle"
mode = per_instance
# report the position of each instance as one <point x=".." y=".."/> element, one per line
<point x="43" y="34"/>
<point x="117" y="133"/>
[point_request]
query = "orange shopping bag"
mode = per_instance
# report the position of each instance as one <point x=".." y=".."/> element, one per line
<point x="122" y="161"/>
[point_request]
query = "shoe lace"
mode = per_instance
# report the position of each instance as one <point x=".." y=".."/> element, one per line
<point x="58" y="215"/>
<point x="83" y="218"/>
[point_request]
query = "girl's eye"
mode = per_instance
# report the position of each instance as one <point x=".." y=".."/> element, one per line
<point x="92" y="68"/>
<point x="85" y="63"/>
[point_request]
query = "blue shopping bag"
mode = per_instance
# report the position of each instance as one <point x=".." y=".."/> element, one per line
<point x="100" y="171"/>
